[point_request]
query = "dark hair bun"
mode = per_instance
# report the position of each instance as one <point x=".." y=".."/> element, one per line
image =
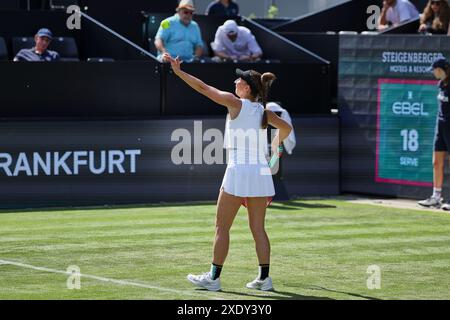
<point x="268" y="78"/>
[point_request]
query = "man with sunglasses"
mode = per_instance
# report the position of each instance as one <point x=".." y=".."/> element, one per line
<point x="179" y="35"/>
<point x="395" y="12"/>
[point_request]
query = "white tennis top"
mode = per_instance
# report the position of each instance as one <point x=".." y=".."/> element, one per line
<point x="248" y="173"/>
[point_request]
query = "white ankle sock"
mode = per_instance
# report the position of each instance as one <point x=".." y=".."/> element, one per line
<point x="437" y="193"/>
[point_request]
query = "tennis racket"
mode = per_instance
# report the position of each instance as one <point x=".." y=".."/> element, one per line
<point x="276" y="157"/>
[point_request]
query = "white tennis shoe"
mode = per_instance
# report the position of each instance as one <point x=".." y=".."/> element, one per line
<point x="263" y="285"/>
<point x="446" y="206"/>
<point x="205" y="281"/>
<point x="431" y="202"/>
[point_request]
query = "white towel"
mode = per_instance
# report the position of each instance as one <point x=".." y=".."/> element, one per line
<point x="290" y="142"/>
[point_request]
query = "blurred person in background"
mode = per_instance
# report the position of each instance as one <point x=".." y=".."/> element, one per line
<point x="235" y="43"/>
<point x="435" y="17"/>
<point x="226" y="8"/>
<point x="394" y="12"/>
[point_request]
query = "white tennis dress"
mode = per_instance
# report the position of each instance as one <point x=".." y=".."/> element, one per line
<point x="248" y="173"/>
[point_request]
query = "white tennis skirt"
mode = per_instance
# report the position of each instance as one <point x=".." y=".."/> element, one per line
<point x="248" y="179"/>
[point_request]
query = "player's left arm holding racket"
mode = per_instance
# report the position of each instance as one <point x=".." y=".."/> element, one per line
<point x="284" y="130"/>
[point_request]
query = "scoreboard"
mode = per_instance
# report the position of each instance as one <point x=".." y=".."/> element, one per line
<point x="406" y="123"/>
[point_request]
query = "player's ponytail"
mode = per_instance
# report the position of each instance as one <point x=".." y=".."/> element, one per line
<point x="266" y="80"/>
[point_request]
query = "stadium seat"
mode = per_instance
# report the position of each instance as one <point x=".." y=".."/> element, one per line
<point x="66" y="47"/>
<point x="19" y="43"/>
<point x="9" y="4"/>
<point x="3" y="50"/>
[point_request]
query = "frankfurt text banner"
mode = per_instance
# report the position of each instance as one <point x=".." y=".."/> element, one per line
<point x="76" y="163"/>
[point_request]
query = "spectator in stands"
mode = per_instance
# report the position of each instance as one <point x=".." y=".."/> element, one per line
<point x="39" y="52"/>
<point x="227" y="8"/>
<point x="435" y="17"/>
<point x="179" y="35"/>
<point x="395" y="12"/>
<point x="236" y="43"/>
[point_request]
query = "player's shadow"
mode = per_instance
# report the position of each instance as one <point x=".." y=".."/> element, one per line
<point x="292" y="205"/>
<point x="278" y="295"/>
<point x="343" y="292"/>
<point x="282" y="295"/>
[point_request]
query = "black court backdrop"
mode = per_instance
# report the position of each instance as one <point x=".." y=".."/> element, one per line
<point x="73" y="163"/>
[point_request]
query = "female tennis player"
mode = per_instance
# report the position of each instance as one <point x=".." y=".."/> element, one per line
<point x="248" y="180"/>
<point x="441" y="71"/>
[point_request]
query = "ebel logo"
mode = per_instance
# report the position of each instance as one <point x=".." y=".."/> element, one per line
<point x="409" y="109"/>
<point x="68" y="163"/>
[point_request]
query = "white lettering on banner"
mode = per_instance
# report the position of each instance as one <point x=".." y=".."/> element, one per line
<point x="410" y="62"/>
<point x="398" y="69"/>
<point x="22" y="165"/>
<point x="6" y="164"/>
<point x="92" y="167"/>
<point x="69" y="163"/>
<point x="409" y="162"/>
<point x="133" y="154"/>
<point x="77" y="162"/>
<point x="46" y="165"/>
<point x="61" y="162"/>
<point x="116" y="158"/>
<point x="409" y="109"/>
<point x="411" y="57"/>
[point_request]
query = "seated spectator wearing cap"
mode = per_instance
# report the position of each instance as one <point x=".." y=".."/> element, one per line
<point x="226" y="8"/>
<point x="395" y="12"/>
<point x="233" y="42"/>
<point x="435" y="17"/>
<point x="39" y="52"/>
<point x="179" y="35"/>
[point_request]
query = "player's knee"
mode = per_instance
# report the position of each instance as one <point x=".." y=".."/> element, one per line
<point x="222" y="228"/>
<point x="257" y="230"/>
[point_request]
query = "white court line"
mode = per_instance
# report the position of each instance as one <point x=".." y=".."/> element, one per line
<point x="103" y="279"/>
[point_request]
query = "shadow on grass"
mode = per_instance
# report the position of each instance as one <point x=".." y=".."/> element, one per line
<point x="343" y="292"/>
<point x="92" y="207"/>
<point x="285" y="205"/>
<point x="281" y="295"/>
<point x="291" y="205"/>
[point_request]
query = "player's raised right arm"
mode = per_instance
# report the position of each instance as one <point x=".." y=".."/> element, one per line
<point x="223" y="98"/>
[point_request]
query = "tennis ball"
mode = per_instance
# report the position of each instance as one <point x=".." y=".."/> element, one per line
<point x="165" y="24"/>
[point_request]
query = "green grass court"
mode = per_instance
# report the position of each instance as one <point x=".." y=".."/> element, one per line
<point x="321" y="249"/>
